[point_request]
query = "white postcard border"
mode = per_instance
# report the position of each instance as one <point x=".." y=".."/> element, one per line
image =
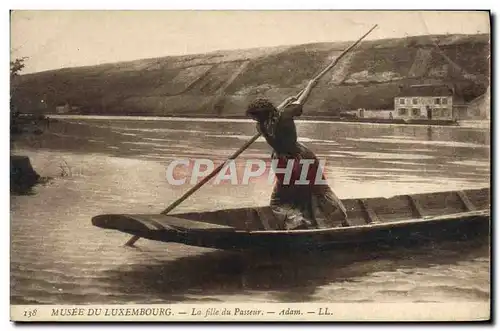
<point x="15" y="310"/>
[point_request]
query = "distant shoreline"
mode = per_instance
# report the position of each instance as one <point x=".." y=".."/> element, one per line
<point x="484" y="124"/>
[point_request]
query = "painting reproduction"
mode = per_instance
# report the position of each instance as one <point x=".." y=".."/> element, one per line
<point x="250" y="166"/>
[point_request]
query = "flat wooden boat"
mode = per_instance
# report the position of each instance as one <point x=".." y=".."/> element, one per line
<point x="398" y="218"/>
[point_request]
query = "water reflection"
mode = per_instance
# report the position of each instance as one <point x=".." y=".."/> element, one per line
<point x="300" y="277"/>
<point x="429" y="133"/>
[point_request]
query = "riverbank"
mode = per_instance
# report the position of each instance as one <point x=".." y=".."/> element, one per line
<point x="480" y="124"/>
<point x="22" y="124"/>
<point x="311" y="119"/>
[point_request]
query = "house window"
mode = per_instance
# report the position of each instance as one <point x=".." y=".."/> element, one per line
<point x="446" y="113"/>
<point x="415" y="101"/>
<point x="402" y="111"/>
<point x="444" y="101"/>
<point x="415" y="112"/>
<point x="437" y="101"/>
<point x="402" y="101"/>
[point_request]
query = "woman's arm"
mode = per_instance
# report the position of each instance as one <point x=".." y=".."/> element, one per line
<point x="303" y="97"/>
<point x="293" y="109"/>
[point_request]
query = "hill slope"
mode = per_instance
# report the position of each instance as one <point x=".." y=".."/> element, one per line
<point x="222" y="83"/>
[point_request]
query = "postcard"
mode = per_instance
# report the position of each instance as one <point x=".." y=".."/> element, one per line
<point x="250" y="166"/>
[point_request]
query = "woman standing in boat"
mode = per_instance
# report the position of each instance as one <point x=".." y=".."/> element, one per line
<point x="298" y="206"/>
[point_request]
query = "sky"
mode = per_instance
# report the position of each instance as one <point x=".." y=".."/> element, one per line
<point x="59" y="39"/>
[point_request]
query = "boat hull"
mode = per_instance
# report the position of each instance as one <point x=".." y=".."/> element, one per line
<point x="461" y="215"/>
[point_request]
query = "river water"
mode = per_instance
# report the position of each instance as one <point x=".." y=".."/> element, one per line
<point x="113" y="165"/>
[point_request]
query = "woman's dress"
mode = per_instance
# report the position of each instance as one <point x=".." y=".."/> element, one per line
<point x="312" y="205"/>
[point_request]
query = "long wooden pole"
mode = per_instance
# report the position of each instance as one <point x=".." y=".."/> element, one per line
<point x="302" y="95"/>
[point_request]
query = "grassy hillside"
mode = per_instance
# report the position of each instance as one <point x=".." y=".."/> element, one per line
<point x="222" y="83"/>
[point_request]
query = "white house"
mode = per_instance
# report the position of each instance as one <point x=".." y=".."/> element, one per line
<point x="431" y="102"/>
